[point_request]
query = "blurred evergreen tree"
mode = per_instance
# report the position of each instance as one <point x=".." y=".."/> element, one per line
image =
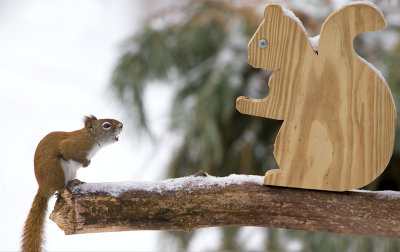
<point x="200" y="50"/>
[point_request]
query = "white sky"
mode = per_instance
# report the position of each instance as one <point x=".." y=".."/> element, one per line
<point x="56" y="58"/>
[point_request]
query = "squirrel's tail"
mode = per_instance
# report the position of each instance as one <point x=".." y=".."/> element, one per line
<point x="32" y="237"/>
<point x="343" y="25"/>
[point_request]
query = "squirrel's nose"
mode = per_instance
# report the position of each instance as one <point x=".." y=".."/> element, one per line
<point x="120" y="125"/>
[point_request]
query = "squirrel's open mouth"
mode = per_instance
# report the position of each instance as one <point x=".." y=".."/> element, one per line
<point x="117" y="132"/>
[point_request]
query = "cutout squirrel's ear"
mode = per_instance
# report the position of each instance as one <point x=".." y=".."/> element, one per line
<point x="272" y="8"/>
<point x="89" y="121"/>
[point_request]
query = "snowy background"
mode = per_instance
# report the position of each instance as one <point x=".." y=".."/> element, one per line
<point x="56" y="60"/>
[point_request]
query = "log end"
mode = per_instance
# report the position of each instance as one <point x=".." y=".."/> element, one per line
<point x="63" y="213"/>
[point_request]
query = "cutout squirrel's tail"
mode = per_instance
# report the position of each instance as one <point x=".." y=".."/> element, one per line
<point x="32" y="237"/>
<point x="343" y="25"/>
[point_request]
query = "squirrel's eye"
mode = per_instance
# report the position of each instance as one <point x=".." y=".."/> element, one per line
<point x="106" y="125"/>
<point x="262" y="43"/>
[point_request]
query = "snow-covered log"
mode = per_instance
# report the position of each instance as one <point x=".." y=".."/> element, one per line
<point x="237" y="200"/>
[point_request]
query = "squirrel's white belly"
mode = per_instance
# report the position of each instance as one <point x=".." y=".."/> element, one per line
<point x="70" y="167"/>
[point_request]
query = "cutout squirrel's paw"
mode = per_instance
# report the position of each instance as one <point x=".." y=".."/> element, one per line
<point x="273" y="177"/>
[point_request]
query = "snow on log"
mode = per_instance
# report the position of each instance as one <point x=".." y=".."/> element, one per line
<point x="201" y="201"/>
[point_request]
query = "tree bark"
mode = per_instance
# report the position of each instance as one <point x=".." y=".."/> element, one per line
<point x="238" y="200"/>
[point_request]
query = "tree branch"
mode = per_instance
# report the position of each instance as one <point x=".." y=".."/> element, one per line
<point x="238" y="200"/>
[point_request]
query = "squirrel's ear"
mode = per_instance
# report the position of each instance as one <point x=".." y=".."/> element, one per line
<point x="89" y="121"/>
<point x="272" y="8"/>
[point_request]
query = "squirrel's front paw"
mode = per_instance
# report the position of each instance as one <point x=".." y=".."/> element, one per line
<point x="86" y="163"/>
<point x="74" y="182"/>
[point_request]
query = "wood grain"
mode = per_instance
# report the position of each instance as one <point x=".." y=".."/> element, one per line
<point x="249" y="204"/>
<point x="339" y="114"/>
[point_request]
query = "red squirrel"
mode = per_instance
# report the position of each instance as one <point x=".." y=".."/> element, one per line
<point x="57" y="158"/>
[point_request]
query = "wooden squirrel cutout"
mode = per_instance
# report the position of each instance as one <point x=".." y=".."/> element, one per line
<point x="338" y="113"/>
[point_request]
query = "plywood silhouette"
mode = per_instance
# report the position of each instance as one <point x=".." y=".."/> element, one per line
<point x="338" y="112"/>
